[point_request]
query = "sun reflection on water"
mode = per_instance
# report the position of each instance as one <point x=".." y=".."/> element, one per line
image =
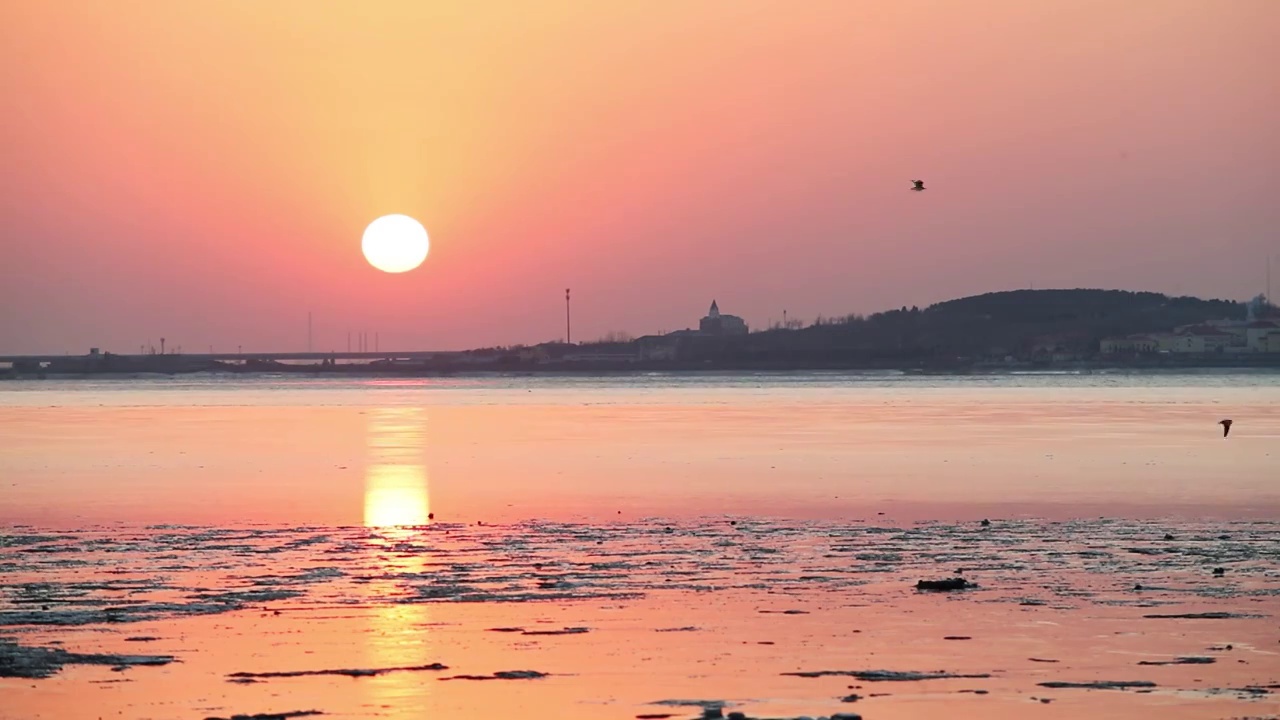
<point x="396" y="499"/>
<point x="395" y="495"/>
<point x="396" y="477"/>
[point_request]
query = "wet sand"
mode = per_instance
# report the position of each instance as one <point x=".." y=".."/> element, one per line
<point x="741" y="612"/>
<point x="638" y="549"/>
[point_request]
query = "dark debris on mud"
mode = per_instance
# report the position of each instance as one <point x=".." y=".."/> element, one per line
<point x="1203" y="616"/>
<point x="270" y="716"/>
<point x="714" y="710"/>
<point x="888" y="675"/>
<point x="522" y="631"/>
<point x="1098" y="685"/>
<point x="348" y="672"/>
<point x="40" y="662"/>
<point x="944" y="585"/>
<point x="704" y="704"/>
<point x="1189" y="660"/>
<point x="502" y="675"/>
<point x="563" y="631"/>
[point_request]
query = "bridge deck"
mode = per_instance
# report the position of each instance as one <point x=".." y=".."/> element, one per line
<point x="240" y="357"/>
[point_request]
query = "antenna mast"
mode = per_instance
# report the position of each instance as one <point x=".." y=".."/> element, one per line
<point x="568" y="324"/>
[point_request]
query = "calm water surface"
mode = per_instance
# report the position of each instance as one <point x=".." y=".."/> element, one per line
<point x="217" y="450"/>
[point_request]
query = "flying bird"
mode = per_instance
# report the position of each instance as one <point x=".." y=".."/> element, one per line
<point x="919" y="185"/>
<point x="1226" y="426"/>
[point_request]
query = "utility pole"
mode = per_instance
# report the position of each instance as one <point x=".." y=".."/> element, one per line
<point x="568" y="320"/>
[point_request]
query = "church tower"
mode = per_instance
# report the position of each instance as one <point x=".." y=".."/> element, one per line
<point x="716" y="324"/>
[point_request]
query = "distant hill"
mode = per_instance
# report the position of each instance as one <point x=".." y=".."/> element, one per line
<point x="1056" y="306"/>
<point x="1022" y="323"/>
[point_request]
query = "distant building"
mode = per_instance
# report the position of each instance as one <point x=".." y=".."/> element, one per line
<point x="1045" y="345"/>
<point x="717" y="324"/>
<point x="1258" y="332"/>
<point x="1130" y="344"/>
<point x="658" y="347"/>
<point x="602" y="357"/>
<point x="1188" y="343"/>
<point x="1239" y="337"/>
<point x="1210" y="339"/>
<point x="536" y="354"/>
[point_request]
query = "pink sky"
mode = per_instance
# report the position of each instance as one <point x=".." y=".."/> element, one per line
<point x="203" y="171"/>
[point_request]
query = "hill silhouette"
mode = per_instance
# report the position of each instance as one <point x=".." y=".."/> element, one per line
<point x="1021" y="323"/>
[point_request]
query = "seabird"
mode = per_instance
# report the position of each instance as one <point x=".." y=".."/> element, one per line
<point x="1226" y="426"/>
<point x="919" y="185"/>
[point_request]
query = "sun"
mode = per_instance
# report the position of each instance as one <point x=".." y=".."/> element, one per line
<point x="395" y="243"/>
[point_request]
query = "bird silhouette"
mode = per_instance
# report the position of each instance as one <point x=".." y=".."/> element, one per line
<point x="919" y="185"/>
<point x="1226" y="426"/>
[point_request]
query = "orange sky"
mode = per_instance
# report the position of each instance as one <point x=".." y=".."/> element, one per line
<point x="203" y="170"/>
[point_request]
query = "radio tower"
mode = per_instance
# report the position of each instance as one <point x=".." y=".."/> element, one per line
<point x="568" y="323"/>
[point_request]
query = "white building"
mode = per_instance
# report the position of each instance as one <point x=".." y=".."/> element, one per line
<point x="1258" y="332"/>
<point x="1130" y="344"/>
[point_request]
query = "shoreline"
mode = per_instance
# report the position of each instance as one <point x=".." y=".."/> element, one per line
<point x="364" y="372"/>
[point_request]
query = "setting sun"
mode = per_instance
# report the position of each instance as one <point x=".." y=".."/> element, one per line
<point x="395" y="243"/>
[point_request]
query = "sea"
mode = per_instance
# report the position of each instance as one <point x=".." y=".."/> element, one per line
<point x="641" y="546"/>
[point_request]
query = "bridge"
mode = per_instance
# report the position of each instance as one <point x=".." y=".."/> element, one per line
<point x="239" y="356"/>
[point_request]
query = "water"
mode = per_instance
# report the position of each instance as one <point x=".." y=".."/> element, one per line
<point x="289" y="450"/>
<point x="210" y="546"/>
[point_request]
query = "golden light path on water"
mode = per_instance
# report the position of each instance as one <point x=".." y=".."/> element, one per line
<point x="395" y="496"/>
<point x="395" y="491"/>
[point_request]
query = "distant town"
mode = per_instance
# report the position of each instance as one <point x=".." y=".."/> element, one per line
<point x="1015" y="330"/>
